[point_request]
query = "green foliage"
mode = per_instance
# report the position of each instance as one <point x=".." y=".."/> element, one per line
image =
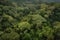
<point x="10" y="36"/>
<point x="29" y="21"/>
<point x="24" y="25"/>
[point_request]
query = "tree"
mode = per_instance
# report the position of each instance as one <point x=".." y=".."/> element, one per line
<point x="10" y="36"/>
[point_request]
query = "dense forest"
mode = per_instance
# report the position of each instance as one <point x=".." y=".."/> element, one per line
<point x="29" y="21"/>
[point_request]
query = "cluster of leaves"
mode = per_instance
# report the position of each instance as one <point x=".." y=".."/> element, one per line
<point x="30" y="21"/>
